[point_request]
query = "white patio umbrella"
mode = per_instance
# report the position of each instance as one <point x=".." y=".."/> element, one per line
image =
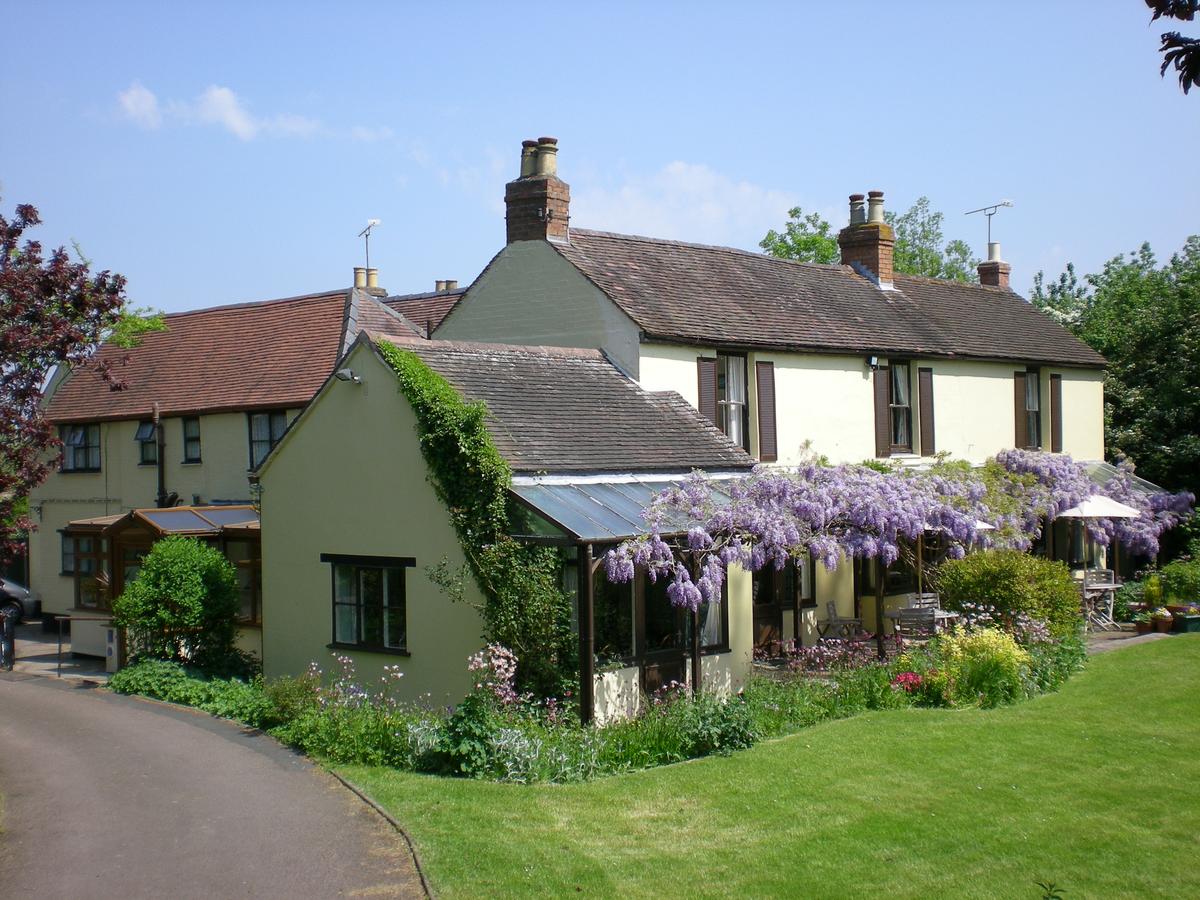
<point x="1098" y="506"/>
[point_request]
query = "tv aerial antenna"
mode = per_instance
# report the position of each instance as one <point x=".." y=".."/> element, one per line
<point x="989" y="211"/>
<point x="365" y="234"/>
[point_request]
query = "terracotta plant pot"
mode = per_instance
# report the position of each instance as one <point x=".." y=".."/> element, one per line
<point x="1143" y="627"/>
<point x="1163" y="625"/>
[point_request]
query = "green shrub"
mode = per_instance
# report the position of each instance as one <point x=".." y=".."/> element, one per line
<point x="228" y="698"/>
<point x="865" y="688"/>
<point x="294" y="697"/>
<point x="1051" y="664"/>
<point x="1013" y="582"/>
<point x="155" y="678"/>
<point x="780" y="707"/>
<point x="366" y="735"/>
<point x="1181" y="581"/>
<point x="986" y="666"/>
<point x="183" y="606"/>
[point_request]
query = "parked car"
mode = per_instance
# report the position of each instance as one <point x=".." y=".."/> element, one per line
<point x="18" y="597"/>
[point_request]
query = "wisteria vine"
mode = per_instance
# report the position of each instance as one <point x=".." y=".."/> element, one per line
<point x="833" y="513"/>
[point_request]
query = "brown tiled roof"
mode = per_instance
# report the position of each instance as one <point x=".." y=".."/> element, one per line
<point x="553" y="409"/>
<point x="426" y="310"/>
<point x="692" y="293"/>
<point x="274" y="353"/>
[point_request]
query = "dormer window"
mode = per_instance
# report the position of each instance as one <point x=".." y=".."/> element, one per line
<point x="147" y="443"/>
<point x="81" y="448"/>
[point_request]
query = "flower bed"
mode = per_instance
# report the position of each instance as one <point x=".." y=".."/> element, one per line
<point x="498" y="734"/>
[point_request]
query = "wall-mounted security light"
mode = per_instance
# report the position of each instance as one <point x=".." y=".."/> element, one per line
<point x="347" y="375"/>
<point x="872" y="363"/>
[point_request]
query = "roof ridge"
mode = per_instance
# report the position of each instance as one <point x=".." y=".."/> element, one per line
<point x="459" y="346"/>
<point x="254" y="304"/>
<point x="427" y="295"/>
<point x="591" y="232"/>
<point x="929" y="279"/>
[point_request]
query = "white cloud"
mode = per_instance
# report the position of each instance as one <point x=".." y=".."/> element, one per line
<point x="216" y="105"/>
<point x="685" y="201"/>
<point x="370" y="135"/>
<point x="139" y="105"/>
<point x="221" y="106"/>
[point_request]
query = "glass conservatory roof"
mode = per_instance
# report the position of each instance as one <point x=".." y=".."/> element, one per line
<point x="589" y="509"/>
<point x="1100" y="472"/>
<point x="198" y="520"/>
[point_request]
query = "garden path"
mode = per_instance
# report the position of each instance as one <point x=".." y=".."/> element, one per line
<point x="110" y="796"/>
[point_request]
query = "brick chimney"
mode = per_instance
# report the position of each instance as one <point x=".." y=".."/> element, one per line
<point x="538" y="202"/>
<point x="868" y="242"/>
<point x="994" y="272"/>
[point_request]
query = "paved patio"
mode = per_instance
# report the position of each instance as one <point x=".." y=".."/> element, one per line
<point x="1103" y="641"/>
<point x="37" y="654"/>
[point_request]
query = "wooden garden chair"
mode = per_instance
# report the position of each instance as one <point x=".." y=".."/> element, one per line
<point x="835" y="625"/>
<point x="916" y="624"/>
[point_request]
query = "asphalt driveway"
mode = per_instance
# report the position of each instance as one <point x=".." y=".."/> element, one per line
<point x="109" y="796"/>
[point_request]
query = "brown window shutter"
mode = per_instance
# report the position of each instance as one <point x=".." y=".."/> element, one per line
<point x="706" y="370"/>
<point x="1056" y="413"/>
<point x="1022" y="431"/>
<point x="768" y="440"/>
<point x="925" y="410"/>
<point x="883" y="414"/>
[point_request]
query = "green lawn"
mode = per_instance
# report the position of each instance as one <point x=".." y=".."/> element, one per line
<point x="1096" y="788"/>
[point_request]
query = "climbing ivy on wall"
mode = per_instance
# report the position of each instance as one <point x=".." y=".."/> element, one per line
<point x="524" y="606"/>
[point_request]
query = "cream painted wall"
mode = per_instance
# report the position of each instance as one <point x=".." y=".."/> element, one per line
<point x="123" y="484"/>
<point x="350" y="480"/>
<point x="670" y="367"/>
<point x="529" y="294"/>
<point x="1083" y="412"/>
<point x="829" y="401"/>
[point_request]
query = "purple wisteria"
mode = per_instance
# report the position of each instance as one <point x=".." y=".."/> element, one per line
<point x="1046" y="484"/>
<point x="851" y="511"/>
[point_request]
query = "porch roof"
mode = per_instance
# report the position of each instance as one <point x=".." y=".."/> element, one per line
<point x="591" y="508"/>
<point x="200" y="521"/>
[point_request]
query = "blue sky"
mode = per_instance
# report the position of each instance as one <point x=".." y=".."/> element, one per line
<point x="217" y="153"/>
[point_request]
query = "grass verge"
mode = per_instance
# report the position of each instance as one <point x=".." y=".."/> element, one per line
<point x="1094" y="788"/>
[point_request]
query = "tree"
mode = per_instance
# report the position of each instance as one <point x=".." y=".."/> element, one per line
<point x="1181" y="52"/>
<point x="1145" y="320"/>
<point x="55" y="312"/>
<point x="921" y="248"/>
<point x="183" y="605"/>
<point x="807" y="238"/>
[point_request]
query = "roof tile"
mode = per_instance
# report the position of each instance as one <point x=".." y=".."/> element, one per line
<point x="694" y="293"/>
<point x="571" y="410"/>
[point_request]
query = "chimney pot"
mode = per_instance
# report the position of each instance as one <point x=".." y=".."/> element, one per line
<point x="528" y="158"/>
<point x="858" y="210"/>
<point x="451" y="284"/>
<point x="547" y="156"/>
<point x="439" y="285"/>
<point x="372" y="278"/>
<point x="360" y="276"/>
<point x="994" y="252"/>
<point x="875" y="207"/>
